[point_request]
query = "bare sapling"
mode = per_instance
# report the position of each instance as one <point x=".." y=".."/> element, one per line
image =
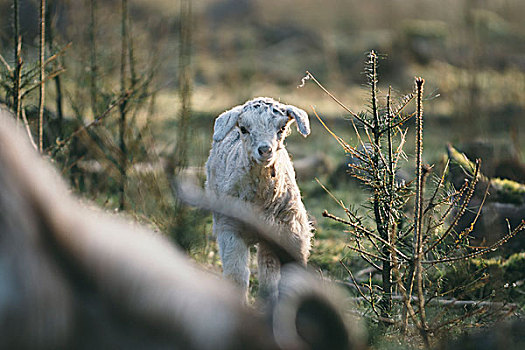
<point x="405" y="245"/>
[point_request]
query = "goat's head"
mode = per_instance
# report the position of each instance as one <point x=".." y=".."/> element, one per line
<point x="263" y="124"/>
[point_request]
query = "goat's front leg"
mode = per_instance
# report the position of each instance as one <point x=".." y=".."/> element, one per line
<point x="233" y="250"/>
<point x="269" y="271"/>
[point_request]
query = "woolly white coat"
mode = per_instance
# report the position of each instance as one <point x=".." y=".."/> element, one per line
<point x="248" y="160"/>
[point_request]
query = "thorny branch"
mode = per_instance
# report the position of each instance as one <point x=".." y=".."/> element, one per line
<point x="356" y="116"/>
<point x="377" y="161"/>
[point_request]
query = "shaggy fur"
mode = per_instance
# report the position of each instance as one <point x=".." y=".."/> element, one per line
<point x="248" y="160"/>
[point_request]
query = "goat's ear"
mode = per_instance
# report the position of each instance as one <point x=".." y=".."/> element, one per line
<point x="225" y="122"/>
<point x="301" y="118"/>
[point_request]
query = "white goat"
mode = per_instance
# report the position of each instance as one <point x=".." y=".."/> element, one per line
<point x="248" y="160"/>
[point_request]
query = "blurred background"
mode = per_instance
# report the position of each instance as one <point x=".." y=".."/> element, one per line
<point x="156" y="73"/>
<point x="471" y="51"/>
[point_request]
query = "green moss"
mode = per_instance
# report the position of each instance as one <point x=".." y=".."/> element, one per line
<point x="483" y="276"/>
<point x="508" y="191"/>
<point x="514" y="267"/>
<point x="461" y="159"/>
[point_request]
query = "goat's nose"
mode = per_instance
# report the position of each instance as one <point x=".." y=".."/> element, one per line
<point x="265" y="150"/>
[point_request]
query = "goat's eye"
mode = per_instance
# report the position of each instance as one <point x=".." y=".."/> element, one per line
<point x="243" y="130"/>
<point x="276" y="110"/>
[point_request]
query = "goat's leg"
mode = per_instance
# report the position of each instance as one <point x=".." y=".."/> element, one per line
<point x="269" y="270"/>
<point x="233" y="250"/>
<point x="300" y="246"/>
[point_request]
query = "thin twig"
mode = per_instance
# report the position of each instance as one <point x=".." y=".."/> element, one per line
<point x="356" y="116"/>
<point x="405" y="101"/>
<point x="61" y="144"/>
<point x="365" y="232"/>
<point x="58" y="54"/>
<point x="346" y="147"/>
<point x="338" y="201"/>
<point x="451" y="205"/>
<point x="359" y="289"/>
<point x="40" y="83"/>
<point x="4" y="62"/>
<point x="42" y="97"/>
<point x="470" y="228"/>
<point x="491" y="248"/>
<point x="399" y="123"/>
<point x="360" y="251"/>
<point x="461" y="210"/>
<point x="365" y="258"/>
<point x="26" y="125"/>
<point x="438" y="187"/>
